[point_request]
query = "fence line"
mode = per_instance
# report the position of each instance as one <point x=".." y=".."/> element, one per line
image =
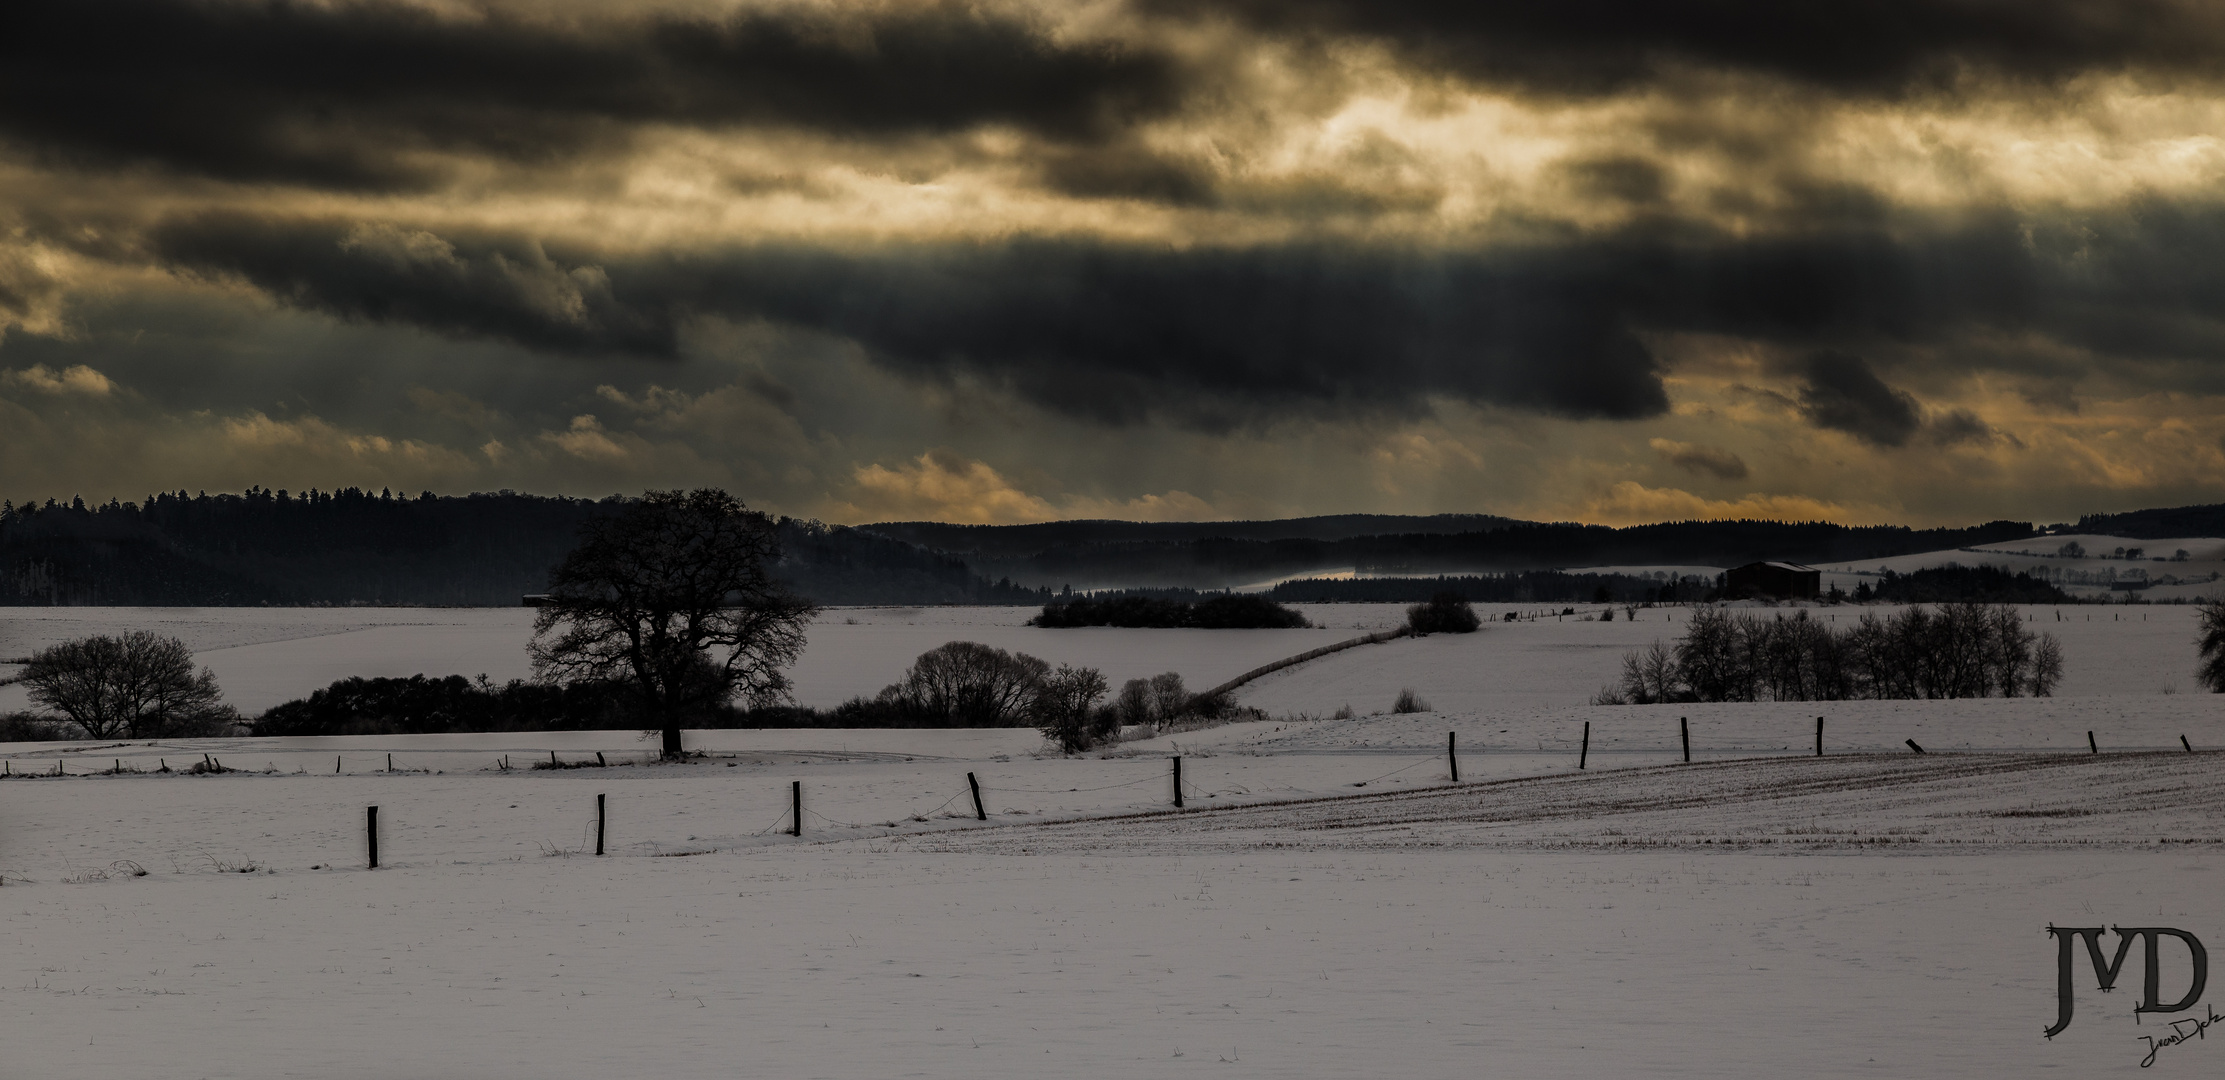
<point x="1310" y="654"/>
<point x="794" y="818"/>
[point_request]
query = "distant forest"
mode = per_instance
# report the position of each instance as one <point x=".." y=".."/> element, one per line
<point x="352" y="546"/>
<point x="357" y="547"/>
<point x="2163" y="524"/>
<point x="1520" y="587"/>
<point x="1037" y="555"/>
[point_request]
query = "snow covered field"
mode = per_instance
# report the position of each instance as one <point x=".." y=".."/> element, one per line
<point x="264" y="656"/>
<point x="1760" y="912"/>
<point x="1853" y="915"/>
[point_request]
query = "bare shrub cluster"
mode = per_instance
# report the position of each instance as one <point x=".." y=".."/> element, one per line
<point x="1955" y="650"/>
<point x="967" y="684"/>
<point x="1445" y="613"/>
<point x="136" y="685"/>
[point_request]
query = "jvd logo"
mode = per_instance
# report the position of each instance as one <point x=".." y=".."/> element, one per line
<point x="2106" y="971"/>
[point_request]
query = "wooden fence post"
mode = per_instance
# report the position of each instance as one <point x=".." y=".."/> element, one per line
<point x="1452" y="756"/>
<point x="371" y="828"/>
<point x="1912" y="746"/>
<point x="2189" y="746"/>
<point x="1178" y="782"/>
<point x="2091" y="745"/>
<point x="979" y="813"/>
<point x="599" y="821"/>
<point x="599" y="759"/>
<point x="1819" y="736"/>
<point x="795" y="805"/>
<point x="335" y="764"/>
<point x="1584" y="753"/>
<point x="1684" y="732"/>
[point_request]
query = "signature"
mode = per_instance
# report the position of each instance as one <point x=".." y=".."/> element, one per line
<point x="2192" y="1027"/>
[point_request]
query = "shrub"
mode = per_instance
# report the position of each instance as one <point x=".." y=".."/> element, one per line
<point x="1610" y="695"/>
<point x="1410" y="702"/>
<point x="25" y="727"/>
<point x="425" y="705"/>
<point x="1445" y="613"/>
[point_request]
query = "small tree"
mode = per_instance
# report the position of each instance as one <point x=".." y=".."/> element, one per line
<point x="138" y="685"/>
<point x="2210" y="621"/>
<point x="1065" y="707"/>
<point x="670" y="596"/>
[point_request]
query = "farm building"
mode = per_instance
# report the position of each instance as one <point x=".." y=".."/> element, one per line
<point x="1774" y="581"/>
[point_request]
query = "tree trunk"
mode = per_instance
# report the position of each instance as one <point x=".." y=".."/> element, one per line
<point x="671" y="739"/>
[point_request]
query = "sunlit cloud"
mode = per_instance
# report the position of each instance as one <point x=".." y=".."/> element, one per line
<point x="1017" y="261"/>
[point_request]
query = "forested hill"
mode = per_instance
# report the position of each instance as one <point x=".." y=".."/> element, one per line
<point x="1019" y="541"/>
<point x="2166" y="524"/>
<point x="1072" y="555"/>
<point x="356" y="547"/>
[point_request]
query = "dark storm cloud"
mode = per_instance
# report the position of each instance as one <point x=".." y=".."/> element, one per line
<point x="1842" y="393"/>
<point x="1713" y="460"/>
<point x="330" y="94"/>
<point x="1210" y="338"/>
<point x="1213" y="337"/>
<point x="472" y="286"/>
<point x="1856" y="46"/>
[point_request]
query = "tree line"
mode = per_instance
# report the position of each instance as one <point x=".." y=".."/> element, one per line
<point x="352" y="546"/>
<point x="1113" y="552"/>
<point x="1955" y="650"/>
<point x="1226" y="611"/>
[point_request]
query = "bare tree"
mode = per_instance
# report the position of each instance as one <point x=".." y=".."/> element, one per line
<point x="1711" y="660"/>
<point x="1133" y="703"/>
<point x="1064" y="707"/>
<point x="2210" y="620"/>
<point x="1649" y="676"/>
<point x="1169" y="698"/>
<point x="138" y="685"/>
<point x="2012" y="651"/>
<point x="2047" y="666"/>
<point x="968" y="684"/>
<point x="669" y="596"/>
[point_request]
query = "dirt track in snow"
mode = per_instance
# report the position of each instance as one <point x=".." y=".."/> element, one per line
<point x="1903" y="800"/>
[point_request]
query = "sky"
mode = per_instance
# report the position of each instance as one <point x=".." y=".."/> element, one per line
<point x="1612" y="261"/>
